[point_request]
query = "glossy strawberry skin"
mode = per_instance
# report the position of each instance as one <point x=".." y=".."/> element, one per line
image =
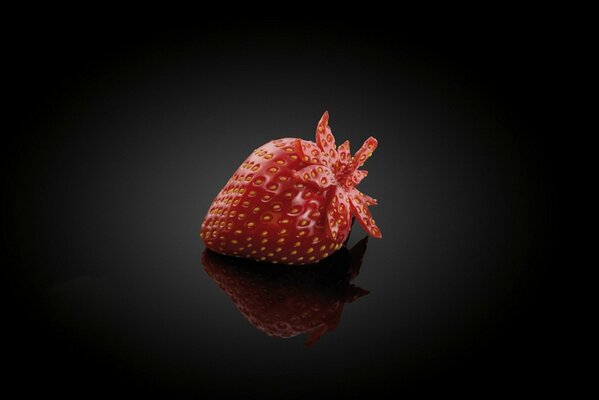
<point x="286" y="302"/>
<point x="291" y="201"/>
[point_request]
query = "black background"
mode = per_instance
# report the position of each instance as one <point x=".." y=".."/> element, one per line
<point x="124" y="136"/>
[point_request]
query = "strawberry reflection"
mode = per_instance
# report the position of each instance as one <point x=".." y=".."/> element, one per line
<point x="285" y="301"/>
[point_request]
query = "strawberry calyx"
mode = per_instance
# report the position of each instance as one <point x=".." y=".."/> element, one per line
<point x="335" y="168"/>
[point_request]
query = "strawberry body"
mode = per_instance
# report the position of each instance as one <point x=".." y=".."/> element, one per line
<point x="286" y="302"/>
<point x="291" y="201"/>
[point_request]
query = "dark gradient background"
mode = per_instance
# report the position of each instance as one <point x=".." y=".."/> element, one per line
<point x="125" y="136"/>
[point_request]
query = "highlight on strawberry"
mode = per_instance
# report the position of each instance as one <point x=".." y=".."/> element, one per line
<point x="287" y="302"/>
<point x="292" y="201"/>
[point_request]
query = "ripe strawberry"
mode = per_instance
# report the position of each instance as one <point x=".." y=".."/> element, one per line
<point x="291" y="201"/>
<point x="286" y="302"/>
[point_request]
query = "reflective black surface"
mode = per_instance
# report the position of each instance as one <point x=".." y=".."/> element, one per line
<point x="126" y="136"/>
<point x="288" y="301"/>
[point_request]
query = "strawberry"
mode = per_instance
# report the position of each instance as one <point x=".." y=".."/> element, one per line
<point x="286" y="302"/>
<point x="291" y="201"/>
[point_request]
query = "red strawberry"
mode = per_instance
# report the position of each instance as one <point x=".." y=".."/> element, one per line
<point x="286" y="302"/>
<point x="291" y="201"/>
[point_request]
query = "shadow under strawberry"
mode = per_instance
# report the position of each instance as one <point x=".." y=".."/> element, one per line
<point x="286" y="301"/>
